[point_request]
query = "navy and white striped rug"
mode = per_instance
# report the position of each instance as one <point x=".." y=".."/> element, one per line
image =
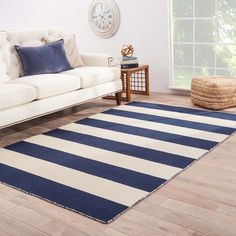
<point x="103" y="165"/>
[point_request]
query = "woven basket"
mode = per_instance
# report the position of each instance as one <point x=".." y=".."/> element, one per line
<point x="214" y="93"/>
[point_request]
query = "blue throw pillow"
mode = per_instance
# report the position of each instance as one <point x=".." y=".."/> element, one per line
<point x="46" y="59"/>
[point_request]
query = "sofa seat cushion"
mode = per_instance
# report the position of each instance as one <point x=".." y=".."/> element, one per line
<point x="92" y="75"/>
<point x="12" y="95"/>
<point x="48" y="85"/>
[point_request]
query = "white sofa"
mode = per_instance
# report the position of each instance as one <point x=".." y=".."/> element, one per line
<point x="24" y="98"/>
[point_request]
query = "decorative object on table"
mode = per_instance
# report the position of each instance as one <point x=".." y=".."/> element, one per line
<point x="129" y="63"/>
<point x="214" y="93"/>
<point x="104" y="17"/>
<point x="128" y="60"/>
<point x="127" y="50"/>
<point x="92" y="168"/>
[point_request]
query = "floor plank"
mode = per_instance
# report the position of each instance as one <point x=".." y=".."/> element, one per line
<point x="147" y="224"/>
<point x="219" y="221"/>
<point x="16" y="227"/>
<point x="177" y="217"/>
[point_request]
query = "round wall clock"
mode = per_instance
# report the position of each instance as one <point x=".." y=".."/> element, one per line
<point x="104" y="17"/>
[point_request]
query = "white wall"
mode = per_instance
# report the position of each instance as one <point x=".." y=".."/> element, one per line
<point x="144" y="23"/>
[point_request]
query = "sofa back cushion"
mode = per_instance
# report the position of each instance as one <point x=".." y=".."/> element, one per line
<point x="5" y="58"/>
<point x="23" y="37"/>
<point x="71" y="48"/>
<point x="26" y="37"/>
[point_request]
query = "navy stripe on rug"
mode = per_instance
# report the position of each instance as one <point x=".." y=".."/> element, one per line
<point x="128" y="177"/>
<point x="192" y="111"/>
<point x="119" y="147"/>
<point x="148" y="133"/>
<point x="172" y="121"/>
<point x="88" y="204"/>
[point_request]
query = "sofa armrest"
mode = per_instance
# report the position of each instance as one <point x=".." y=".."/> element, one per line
<point x="96" y="59"/>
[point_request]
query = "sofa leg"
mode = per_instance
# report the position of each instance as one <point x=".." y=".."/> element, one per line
<point x="118" y="98"/>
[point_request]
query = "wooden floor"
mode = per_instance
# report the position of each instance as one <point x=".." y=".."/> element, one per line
<point x="199" y="201"/>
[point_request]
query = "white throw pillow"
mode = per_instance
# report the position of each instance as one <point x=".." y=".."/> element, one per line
<point x="71" y="49"/>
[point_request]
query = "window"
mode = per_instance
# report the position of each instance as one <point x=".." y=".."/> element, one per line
<point x="204" y="39"/>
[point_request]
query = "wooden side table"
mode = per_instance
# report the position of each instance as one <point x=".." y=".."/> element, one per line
<point x="135" y="80"/>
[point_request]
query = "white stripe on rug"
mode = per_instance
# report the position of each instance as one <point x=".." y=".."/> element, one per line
<point x="98" y="186"/>
<point x="179" y="115"/>
<point x="108" y="157"/>
<point x="193" y="133"/>
<point x="157" y="145"/>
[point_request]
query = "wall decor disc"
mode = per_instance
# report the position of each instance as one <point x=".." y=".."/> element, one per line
<point x="104" y="17"/>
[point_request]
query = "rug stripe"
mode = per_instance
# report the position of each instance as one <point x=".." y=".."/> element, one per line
<point x="171" y="121"/>
<point x="117" y="159"/>
<point x="192" y="111"/>
<point x="148" y="133"/>
<point x="161" y="127"/>
<point x="138" y="141"/>
<point x="128" y="149"/>
<point x="117" y="174"/>
<point x="119" y="193"/>
<point x="182" y="116"/>
<point x="85" y="203"/>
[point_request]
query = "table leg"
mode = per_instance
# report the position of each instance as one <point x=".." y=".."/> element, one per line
<point x="147" y="81"/>
<point x="118" y="98"/>
<point x="128" y="92"/>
